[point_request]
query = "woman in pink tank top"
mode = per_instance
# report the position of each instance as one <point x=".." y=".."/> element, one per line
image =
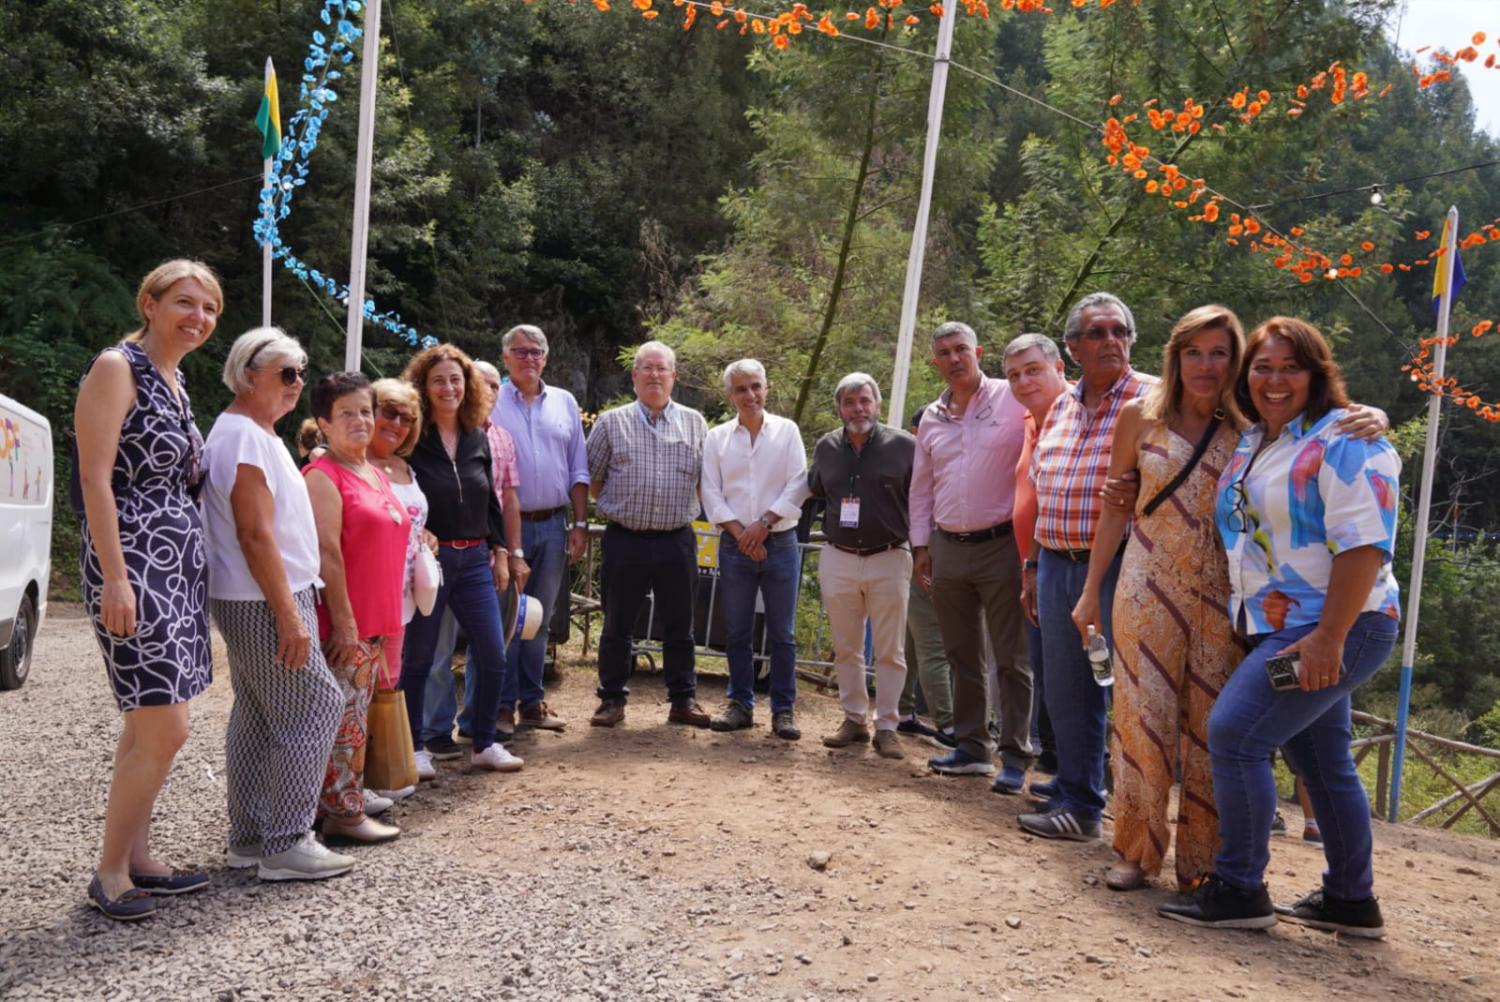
<point x="362" y="538"/>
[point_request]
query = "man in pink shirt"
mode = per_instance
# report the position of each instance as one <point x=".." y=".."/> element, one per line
<point x="963" y="493"/>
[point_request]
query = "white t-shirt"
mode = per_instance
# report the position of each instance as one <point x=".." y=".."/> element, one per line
<point x="235" y="440"/>
<point x="415" y="502"/>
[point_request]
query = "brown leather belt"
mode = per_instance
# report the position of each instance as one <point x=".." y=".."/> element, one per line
<point x="979" y="535"/>
<point x="865" y="553"/>
<point x="541" y="514"/>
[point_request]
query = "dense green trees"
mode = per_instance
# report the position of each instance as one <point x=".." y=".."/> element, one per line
<point x="610" y="178"/>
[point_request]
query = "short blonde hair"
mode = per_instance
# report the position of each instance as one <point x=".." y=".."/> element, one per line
<point x="256" y="348"/>
<point x="163" y="277"/>
<point x="403" y="395"/>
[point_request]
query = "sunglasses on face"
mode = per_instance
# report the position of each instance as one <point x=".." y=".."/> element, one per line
<point x="290" y="374"/>
<point x="392" y="413"/>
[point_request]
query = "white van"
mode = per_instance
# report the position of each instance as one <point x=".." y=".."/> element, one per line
<point x="25" y="535"/>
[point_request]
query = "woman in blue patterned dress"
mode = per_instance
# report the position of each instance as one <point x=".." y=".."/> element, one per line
<point x="145" y="578"/>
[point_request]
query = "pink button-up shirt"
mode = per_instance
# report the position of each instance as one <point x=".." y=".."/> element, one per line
<point x="964" y="475"/>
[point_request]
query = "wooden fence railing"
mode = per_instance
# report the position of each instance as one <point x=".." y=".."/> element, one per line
<point x="1423" y="747"/>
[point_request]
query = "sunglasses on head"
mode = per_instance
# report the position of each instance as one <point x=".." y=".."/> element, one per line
<point x="393" y="413"/>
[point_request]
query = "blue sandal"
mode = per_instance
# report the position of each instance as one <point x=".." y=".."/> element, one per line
<point x="131" y="906"/>
<point x="172" y="883"/>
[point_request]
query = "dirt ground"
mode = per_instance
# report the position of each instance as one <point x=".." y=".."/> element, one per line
<point x="690" y="856"/>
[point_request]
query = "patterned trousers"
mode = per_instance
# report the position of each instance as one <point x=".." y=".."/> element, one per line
<point x="281" y="728"/>
<point x="343" y="783"/>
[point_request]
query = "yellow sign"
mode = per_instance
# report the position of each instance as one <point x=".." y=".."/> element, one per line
<point x="708" y="544"/>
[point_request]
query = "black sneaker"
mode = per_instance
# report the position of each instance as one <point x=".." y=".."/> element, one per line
<point x="1278" y="824"/>
<point x="1322" y="910"/>
<point x="1060" y="823"/>
<point x="915" y="726"/>
<point x="1215" y="904"/>
<point x="443" y="748"/>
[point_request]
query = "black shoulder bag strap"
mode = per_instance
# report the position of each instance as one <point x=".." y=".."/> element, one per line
<point x="1186" y="471"/>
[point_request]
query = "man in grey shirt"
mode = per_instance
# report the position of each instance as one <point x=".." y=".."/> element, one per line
<point x="645" y="461"/>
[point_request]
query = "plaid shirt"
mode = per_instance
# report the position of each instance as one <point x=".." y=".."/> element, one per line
<point x="503" y="469"/>
<point x="1071" y="460"/>
<point x="649" y="469"/>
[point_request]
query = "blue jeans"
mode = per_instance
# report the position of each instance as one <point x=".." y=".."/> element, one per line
<point x="546" y="546"/>
<point x="1250" y="720"/>
<point x="441" y="701"/>
<point x="469" y="590"/>
<point x="1076" y="704"/>
<point x="776" y="578"/>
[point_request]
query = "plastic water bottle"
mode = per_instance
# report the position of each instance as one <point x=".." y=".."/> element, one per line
<point x="1104" y="671"/>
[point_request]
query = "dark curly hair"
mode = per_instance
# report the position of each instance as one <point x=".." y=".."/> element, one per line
<point x="475" y="409"/>
<point x="334" y="386"/>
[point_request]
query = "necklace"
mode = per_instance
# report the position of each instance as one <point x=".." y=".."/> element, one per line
<point x="391" y="509"/>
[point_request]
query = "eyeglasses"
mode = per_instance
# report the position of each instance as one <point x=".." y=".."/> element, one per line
<point x="1097" y="334"/>
<point x="391" y="412"/>
<point x="1241" y="518"/>
<point x="654" y="370"/>
<point x="526" y="353"/>
<point x="291" y="373"/>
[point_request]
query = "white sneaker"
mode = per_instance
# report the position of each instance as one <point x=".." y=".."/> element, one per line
<point x="376" y="804"/>
<point x="496" y="759"/>
<point x="425" y="768"/>
<point x="400" y="794"/>
<point x="243" y="860"/>
<point x="309" y="859"/>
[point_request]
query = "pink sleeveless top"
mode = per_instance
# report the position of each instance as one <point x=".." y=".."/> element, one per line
<point x="373" y="539"/>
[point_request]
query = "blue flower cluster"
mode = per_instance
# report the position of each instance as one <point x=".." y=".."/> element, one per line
<point x="289" y="170"/>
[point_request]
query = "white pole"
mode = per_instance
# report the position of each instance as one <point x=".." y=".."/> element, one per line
<point x="896" y="417"/>
<point x="265" y="251"/>
<point x="1424" y="509"/>
<point x="369" y="68"/>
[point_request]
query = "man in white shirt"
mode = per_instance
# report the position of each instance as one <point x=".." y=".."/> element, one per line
<point x="754" y="482"/>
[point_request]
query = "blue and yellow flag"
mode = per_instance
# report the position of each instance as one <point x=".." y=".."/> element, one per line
<point x="1440" y="272"/>
<point x="268" y="118"/>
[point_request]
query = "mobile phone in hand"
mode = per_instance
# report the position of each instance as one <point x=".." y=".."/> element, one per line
<point x="1285" y="672"/>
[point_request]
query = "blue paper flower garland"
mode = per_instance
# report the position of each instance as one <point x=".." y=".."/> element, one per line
<point x="289" y="169"/>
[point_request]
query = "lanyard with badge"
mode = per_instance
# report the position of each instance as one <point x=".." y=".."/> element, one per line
<point x="849" y="505"/>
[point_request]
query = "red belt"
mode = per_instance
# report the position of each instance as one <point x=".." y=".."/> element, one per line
<point x="462" y="544"/>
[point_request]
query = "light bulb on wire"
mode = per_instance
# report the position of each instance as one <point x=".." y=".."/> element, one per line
<point x="1375" y="197"/>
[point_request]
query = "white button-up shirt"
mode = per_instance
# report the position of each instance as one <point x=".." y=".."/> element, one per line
<point x="742" y="480"/>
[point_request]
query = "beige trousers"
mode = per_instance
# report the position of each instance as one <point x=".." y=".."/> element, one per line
<point x="874" y="588"/>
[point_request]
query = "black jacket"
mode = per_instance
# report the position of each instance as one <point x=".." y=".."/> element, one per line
<point x="460" y="491"/>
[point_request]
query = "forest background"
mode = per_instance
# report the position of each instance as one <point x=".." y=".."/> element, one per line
<point x="611" y="178"/>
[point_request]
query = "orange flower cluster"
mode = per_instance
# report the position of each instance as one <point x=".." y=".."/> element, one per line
<point x="1467" y="54"/>
<point x="1423" y="373"/>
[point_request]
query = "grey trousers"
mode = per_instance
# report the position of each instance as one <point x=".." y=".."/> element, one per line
<point x="281" y="727"/>
<point x="974" y="586"/>
<point x="926" y="661"/>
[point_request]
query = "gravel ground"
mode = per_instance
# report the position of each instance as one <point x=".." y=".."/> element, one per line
<point x="656" y="862"/>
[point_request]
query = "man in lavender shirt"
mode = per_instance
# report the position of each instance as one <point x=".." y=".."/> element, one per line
<point x="963" y="492"/>
<point x="548" y="432"/>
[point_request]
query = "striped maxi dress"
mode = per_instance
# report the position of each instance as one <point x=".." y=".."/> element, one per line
<point x="1175" y="648"/>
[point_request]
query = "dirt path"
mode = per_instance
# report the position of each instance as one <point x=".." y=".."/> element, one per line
<point x="659" y="862"/>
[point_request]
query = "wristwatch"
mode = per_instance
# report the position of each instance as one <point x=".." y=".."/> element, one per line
<point x="580" y="524"/>
<point x="764" y="521"/>
<point x="518" y="553"/>
<point x="1031" y="565"/>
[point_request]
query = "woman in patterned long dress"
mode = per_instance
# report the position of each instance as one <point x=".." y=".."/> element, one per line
<point x="1174" y="644"/>
<point x="144" y="574"/>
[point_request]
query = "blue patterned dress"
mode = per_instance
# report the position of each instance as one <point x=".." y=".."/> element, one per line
<point x="167" y="660"/>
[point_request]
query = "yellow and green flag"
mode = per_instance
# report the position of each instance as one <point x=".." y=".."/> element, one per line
<point x="268" y="118"/>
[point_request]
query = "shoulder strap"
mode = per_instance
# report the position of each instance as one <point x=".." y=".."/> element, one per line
<point x="1187" y="470"/>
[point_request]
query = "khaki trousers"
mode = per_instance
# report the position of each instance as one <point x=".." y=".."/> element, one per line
<point x="977" y="586"/>
<point x="874" y="588"/>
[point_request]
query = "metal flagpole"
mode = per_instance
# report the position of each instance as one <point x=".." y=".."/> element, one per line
<point x="265" y="251"/>
<point x="896" y="417"/>
<point x="1424" y="508"/>
<point x="359" y="245"/>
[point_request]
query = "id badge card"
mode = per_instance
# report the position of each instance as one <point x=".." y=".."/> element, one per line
<point x="849" y="513"/>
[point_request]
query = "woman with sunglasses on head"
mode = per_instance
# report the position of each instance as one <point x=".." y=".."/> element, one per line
<point x="453" y="466"/>
<point x="143" y="567"/>
<point x="1307" y="513"/>
<point x="363" y="531"/>
<point x="263" y="572"/>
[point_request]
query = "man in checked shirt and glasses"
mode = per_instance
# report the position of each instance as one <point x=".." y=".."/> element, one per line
<point x="1069" y="466"/>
